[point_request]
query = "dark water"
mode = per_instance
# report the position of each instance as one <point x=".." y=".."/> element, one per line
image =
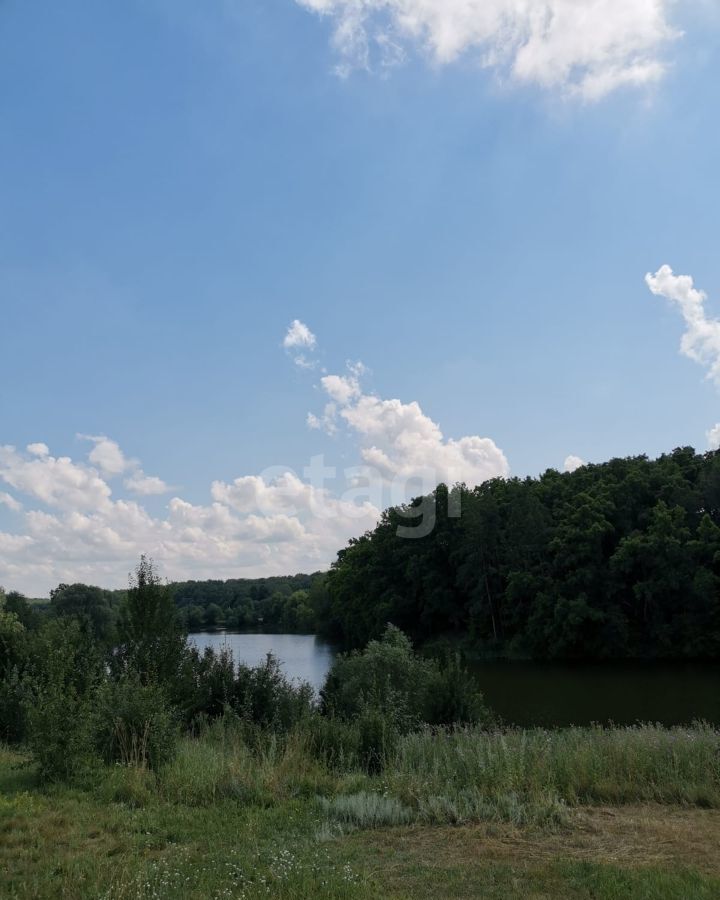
<point x="526" y="694"/>
<point x="303" y="657"/>
<point x="551" y="694"/>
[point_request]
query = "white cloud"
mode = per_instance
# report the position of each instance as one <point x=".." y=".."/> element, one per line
<point x="38" y="449"/>
<point x="299" y="336"/>
<point x="146" y="485"/>
<point x="583" y="47"/>
<point x="713" y="437"/>
<point x="57" y="482"/>
<point x="9" y="501"/>
<point x="75" y="529"/>
<point x="340" y="388"/>
<point x="572" y="463"/>
<point x="111" y="461"/>
<point x="402" y="443"/>
<point x="701" y="341"/>
<point x="106" y="454"/>
<point x="299" y="341"/>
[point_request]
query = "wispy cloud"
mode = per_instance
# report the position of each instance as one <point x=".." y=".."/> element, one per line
<point x="586" y="48"/>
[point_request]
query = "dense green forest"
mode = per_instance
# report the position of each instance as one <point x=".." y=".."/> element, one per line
<point x="614" y="560"/>
<point x="618" y="560"/>
<point x="283" y="603"/>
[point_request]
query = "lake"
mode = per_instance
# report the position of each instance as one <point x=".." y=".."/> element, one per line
<point x="303" y="657"/>
<point x="527" y="693"/>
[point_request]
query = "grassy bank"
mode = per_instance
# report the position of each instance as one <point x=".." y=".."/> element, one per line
<point x="572" y="813"/>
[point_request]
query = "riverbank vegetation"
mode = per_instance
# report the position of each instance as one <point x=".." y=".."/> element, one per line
<point x="137" y="767"/>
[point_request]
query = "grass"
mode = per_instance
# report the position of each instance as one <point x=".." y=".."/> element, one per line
<point x="578" y="813"/>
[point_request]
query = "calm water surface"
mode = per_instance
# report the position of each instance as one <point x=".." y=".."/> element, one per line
<point x="553" y="694"/>
<point x="303" y="657"/>
<point x="526" y="694"/>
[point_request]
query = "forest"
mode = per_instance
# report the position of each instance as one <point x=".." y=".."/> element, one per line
<point x="618" y="560"/>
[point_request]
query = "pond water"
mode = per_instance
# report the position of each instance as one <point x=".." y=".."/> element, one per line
<point x="527" y="693"/>
<point x="303" y="657"/>
<point x="556" y="694"/>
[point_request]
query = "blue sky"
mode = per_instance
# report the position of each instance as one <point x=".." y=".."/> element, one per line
<point x="182" y="180"/>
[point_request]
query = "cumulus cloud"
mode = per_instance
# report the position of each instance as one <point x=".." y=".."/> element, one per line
<point x="55" y="481"/>
<point x="401" y="442"/>
<point x="572" y="463"/>
<point x="583" y="47"/>
<point x="299" y="341"/>
<point x="38" y="450"/>
<point x="299" y="336"/>
<point x="701" y="340"/>
<point x="713" y="437"/>
<point x="75" y="529"/>
<point x="107" y="456"/>
<point x="145" y="485"/>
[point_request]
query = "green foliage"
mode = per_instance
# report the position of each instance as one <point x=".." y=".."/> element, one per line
<point x="151" y="643"/>
<point x="11" y="635"/>
<point x="63" y="677"/>
<point x="134" y="724"/>
<point x="286" y="603"/>
<point x="266" y="697"/>
<point x="408" y="689"/>
<point x="88" y="604"/>
<point x="613" y="560"/>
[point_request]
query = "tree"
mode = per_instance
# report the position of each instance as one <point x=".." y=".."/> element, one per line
<point x="86" y="603"/>
<point x="151" y="643"/>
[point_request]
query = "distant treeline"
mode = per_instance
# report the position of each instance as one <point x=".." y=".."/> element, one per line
<point x="284" y="603"/>
<point x="614" y="560"/>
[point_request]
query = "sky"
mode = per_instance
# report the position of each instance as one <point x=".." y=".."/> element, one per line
<point x="267" y="266"/>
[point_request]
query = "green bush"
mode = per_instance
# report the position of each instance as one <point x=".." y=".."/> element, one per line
<point x="134" y="724"/>
<point x="406" y="688"/>
<point x="58" y="692"/>
<point x="60" y="732"/>
<point x="12" y="707"/>
<point x="265" y="696"/>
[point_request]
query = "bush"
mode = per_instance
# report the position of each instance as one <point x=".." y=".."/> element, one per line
<point x="134" y="724"/>
<point x="60" y="732"/>
<point x="266" y="697"/>
<point x="57" y="700"/>
<point x="406" y="688"/>
<point x="12" y="707"/>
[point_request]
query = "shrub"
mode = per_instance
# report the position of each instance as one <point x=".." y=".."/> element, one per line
<point x="57" y="700"/>
<point x="134" y="724"/>
<point x="60" y="732"/>
<point x="266" y="697"/>
<point x="407" y="688"/>
<point x="12" y="706"/>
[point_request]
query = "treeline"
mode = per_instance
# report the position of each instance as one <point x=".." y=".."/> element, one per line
<point x="614" y="560"/>
<point x="285" y="603"/>
<point x="81" y="691"/>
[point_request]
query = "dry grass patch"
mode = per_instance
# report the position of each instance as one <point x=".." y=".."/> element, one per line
<point x="630" y="836"/>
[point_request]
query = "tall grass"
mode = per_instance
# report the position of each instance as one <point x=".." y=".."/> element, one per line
<point x="576" y="765"/>
<point x="449" y="776"/>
